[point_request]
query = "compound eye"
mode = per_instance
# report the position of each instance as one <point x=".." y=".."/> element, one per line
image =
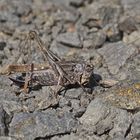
<point x="89" y="67"/>
<point x="32" y="34"/>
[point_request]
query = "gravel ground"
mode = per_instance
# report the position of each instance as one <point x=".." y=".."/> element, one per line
<point x="102" y="32"/>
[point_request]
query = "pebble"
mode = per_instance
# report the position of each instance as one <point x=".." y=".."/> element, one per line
<point x="28" y="126"/>
<point x="116" y="55"/>
<point x="70" y="39"/>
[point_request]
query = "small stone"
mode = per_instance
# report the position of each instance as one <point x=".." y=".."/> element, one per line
<point x="94" y="113"/>
<point x="100" y="117"/>
<point x="64" y="102"/>
<point x="96" y="40"/>
<point x="116" y="54"/>
<point x="59" y="49"/>
<point x="128" y="25"/>
<point x="71" y="136"/>
<point x="2" y="45"/>
<point x="42" y="124"/>
<point x="46" y="99"/>
<point x="128" y="7"/>
<point x="69" y="15"/>
<point x="88" y="43"/>
<point x="124" y="96"/>
<point x="7" y="138"/>
<point x="3" y="122"/>
<point x="76" y="3"/>
<point x="100" y="14"/>
<point x="79" y="112"/>
<point x="99" y="39"/>
<point x="75" y="104"/>
<point x="133" y="38"/>
<point x="113" y="33"/>
<point x="73" y="93"/>
<point x="135" y="127"/>
<point x="71" y="39"/>
<point x="85" y="100"/>
<point x="22" y="8"/>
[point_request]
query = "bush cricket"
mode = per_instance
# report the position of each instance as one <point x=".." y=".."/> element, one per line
<point x="55" y="71"/>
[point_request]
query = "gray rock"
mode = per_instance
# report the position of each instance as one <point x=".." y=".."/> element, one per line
<point x="134" y="68"/>
<point x="59" y="49"/>
<point x="6" y="29"/>
<point x="122" y="123"/>
<point x="73" y="93"/>
<point x="71" y="39"/>
<point x="8" y="14"/>
<point x="2" y="56"/>
<point x="56" y="30"/>
<point x="133" y="38"/>
<point x="95" y="112"/>
<point x="129" y="5"/>
<point x="96" y="41"/>
<point x="64" y="102"/>
<point x="7" y="138"/>
<point x="9" y="100"/>
<point x="2" y="45"/>
<point x="22" y="8"/>
<point x="88" y="43"/>
<point x="79" y="112"/>
<point x="42" y="124"/>
<point x="67" y="2"/>
<point x="76" y="3"/>
<point x="69" y="15"/>
<point x="75" y="104"/>
<point x="66" y="137"/>
<point x="41" y="100"/>
<point x="128" y="25"/>
<point x="124" y="94"/>
<point x="116" y="54"/>
<point x="135" y="127"/>
<point x="112" y="32"/>
<point x="90" y="54"/>
<point x="4" y="121"/>
<point x="100" y="117"/>
<point x="100" y="14"/>
<point x="85" y="100"/>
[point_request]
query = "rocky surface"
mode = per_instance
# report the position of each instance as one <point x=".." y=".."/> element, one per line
<point x="102" y="32"/>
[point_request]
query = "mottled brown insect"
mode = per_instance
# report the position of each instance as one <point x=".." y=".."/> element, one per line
<point x="57" y="72"/>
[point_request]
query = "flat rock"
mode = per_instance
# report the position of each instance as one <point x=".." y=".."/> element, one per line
<point x="74" y="93"/>
<point x="96" y="40"/>
<point x="4" y="121"/>
<point x="100" y="14"/>
<point x="41" y="100"/>
<point x="112" y="32"/>
<point x="71" y="39"/>
<point x="100" y="117"/>
<point x="7" y="138"/>
<point x="92" y="118"/>
<point x="129" y="5"/>
<point x="66" y="15"/>
<point x="125" y="95"/>
<point x="42" y="124"/>
<point x="132" y="38"/>
<point x="128" y="25"/>
<point x="2" y="45"/>
<point x="10" y="101"/>
<point x="59" y="49"/>
<point x="116" y="55"/>
<point x="135" y="131"/>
